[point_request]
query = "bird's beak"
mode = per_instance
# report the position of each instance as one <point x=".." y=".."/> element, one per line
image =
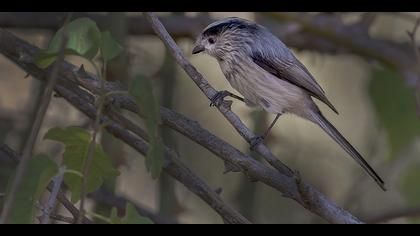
<point x="198" y="49"/>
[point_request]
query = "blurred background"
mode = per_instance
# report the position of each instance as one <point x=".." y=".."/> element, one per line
<point x="376" y="102"/>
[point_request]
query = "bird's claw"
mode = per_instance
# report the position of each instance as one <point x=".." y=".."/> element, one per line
<point x="255" y="141"/>
<point x="218" y="98"/>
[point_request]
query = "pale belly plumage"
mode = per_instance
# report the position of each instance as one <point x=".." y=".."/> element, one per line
<point x="263" y="89"/>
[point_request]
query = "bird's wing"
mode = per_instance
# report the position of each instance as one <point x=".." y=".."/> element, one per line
<point x="293" y="71"/>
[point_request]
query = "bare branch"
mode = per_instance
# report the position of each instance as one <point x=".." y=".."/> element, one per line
<point x="303" y="193"/>
<point x="172" y="165"/>
<point x="58" y="179"/>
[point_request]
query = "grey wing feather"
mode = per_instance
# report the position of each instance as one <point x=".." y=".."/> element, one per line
<point x="284" y="65"/>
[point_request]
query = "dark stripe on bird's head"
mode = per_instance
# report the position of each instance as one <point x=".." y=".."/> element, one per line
<point x="232" y="23"/>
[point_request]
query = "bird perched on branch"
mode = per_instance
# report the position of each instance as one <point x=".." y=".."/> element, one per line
<point x="260" y="67"/>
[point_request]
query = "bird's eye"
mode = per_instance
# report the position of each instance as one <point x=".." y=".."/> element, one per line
<point x="211" y="40"/>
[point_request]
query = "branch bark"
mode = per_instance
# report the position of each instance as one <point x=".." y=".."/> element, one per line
<point x="49" y="206"/>
<point x="289" y="184"/>
<point x="298" y="190"/>
<point x="23" y="53"/>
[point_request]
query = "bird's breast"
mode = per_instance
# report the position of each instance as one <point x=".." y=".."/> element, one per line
<point x="264" y="89"/>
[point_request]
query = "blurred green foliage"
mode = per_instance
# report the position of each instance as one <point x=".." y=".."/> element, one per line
<point x="76" y="142"/>
<point x="142" y="89"/>
<point x="84" y="39"/>
<point x="39" y="174"/>
<point x="410" y="186"/>
<point x="395" y="107"/>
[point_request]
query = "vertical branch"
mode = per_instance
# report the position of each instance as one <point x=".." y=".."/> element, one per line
<point x="58" y="179"/>
<point x="117" y="70"/>
<point x="168" y="202"/>
<point x="92" y="145"/>
<point x="36" y="126"/>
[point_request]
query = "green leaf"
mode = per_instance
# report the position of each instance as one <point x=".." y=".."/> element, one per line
<point x="43" y="58"/>
<point x="131" y="216"/>
<point x="110" y="48"/>
<point x="142" y="89"/>
<point x="409" y="185"/>
<point x="395" y="107"/>
<point x="40" y="172"/>
<point x="76" y="141"/>
<point x="84" y="39"/>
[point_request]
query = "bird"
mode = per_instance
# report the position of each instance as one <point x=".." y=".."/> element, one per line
<point x="268" y="75"/>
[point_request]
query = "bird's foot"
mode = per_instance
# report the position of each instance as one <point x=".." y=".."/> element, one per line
<point x="217" y="99"/>
<point x="255" y="141"/>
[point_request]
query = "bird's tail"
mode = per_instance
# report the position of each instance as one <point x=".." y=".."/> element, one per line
<point x="319" y="119"/>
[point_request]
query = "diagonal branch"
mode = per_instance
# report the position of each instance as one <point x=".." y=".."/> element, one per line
<point x="56" y="186"/>
<point x="303" y="193"/>
<point x="23" y="53"/>
<point x="172" y="165"/>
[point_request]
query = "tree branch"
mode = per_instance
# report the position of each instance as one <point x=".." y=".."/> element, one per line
<point x="310" y="198"/>
<point x="56" y="186"/>
<point x="302" y="192"/>
<point x="16" y="49"/>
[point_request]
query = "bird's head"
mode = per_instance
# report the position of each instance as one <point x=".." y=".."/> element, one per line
<point x="226" y="36"/>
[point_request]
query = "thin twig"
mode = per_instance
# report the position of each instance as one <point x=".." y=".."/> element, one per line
<point x="27" y="152"/>
<point x="92" y="145"/>
<point x="57" y="181"/>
